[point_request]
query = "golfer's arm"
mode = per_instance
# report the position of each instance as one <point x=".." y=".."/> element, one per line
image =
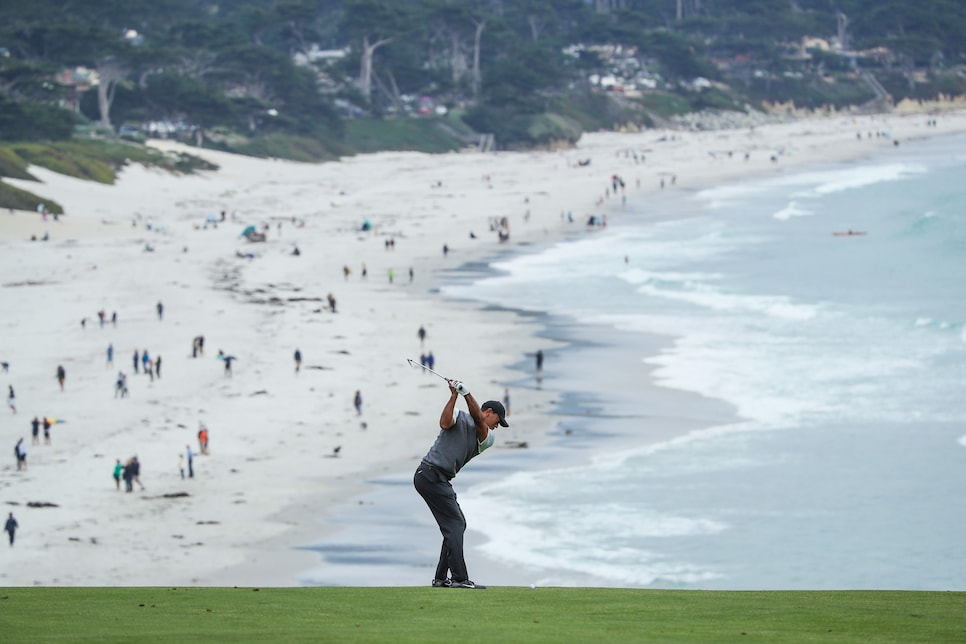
<point x="477" y="414"/>
<point x="448" y="417"/>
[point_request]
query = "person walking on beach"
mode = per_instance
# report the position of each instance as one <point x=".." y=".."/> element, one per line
<point x="120" y="385"/>
<point x="134" y="467"/>
<point x="20" y="451"/>
<point x="118" y="471"/>
<point x="227" y="360"/>
<point x="203" y="438"/>
<point x="61" y="376"/>
<point x="298" y="360"/>
<point x="127" y="474"/>
<point x="10" y="527"/>
<point x="462" y="436"/>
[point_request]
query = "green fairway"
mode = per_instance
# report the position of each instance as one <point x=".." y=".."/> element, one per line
<point x="497" y="614"/>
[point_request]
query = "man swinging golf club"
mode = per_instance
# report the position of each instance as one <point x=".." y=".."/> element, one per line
<point x="461" y="437"/>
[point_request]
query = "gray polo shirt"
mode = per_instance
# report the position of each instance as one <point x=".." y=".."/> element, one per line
<point x="454" y="447"/>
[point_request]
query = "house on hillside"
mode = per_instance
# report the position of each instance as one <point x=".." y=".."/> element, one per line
<point x="77" y="80"/>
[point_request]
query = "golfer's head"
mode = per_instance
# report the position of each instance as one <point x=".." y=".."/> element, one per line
<point x="494" y="414"/>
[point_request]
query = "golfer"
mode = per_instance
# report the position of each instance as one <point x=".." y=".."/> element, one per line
<point x="462" y="436"/>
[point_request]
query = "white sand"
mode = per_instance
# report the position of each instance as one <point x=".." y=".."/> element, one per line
<point x="271" y="470"/>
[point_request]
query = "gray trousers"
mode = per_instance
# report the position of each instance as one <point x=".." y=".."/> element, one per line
<point x="440" y="496"/>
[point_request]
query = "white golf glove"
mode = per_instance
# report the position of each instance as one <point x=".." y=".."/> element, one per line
<point x="460" y="388"/>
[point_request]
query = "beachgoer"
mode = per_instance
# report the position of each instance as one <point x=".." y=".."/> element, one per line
<point x="47" y="425"/>
<point x="128" y="475"/>
<point x="120" y="385"/>
<point x="61" y="376"/>
<point x="10" y="527"/>
<point x="118" y="471"/>
<point x="462" y="436"/>
<point x="203" y="438"/>
<point x="135" y="466"/>
<point x="227" y="360"/>
<point x="20" y="451"/>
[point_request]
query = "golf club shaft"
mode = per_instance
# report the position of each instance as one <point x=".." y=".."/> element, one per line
<point x="413" y="363"/>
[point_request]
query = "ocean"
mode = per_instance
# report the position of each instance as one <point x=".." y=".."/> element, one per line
<point x="747" y="400"/>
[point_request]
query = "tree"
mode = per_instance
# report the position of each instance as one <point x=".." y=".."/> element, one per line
<point x="374" y="24"/>
<point x="110" y="72"/>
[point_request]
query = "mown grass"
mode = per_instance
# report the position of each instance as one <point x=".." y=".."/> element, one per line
<point x="498" y="614"/>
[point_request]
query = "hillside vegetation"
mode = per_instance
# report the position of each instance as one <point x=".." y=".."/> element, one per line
<point x="318" y="79"/>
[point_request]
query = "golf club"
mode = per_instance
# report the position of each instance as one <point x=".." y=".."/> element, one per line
<point x="417" y="365"/>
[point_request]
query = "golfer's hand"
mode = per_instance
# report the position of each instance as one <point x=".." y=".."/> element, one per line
<point x="460" y="388"/>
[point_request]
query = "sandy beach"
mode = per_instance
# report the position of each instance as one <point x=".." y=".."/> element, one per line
<point x="287" y="445"/>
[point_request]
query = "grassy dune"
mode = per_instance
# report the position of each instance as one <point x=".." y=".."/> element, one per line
<point x="89" y="159"/>
<point x="497" y="614"/>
